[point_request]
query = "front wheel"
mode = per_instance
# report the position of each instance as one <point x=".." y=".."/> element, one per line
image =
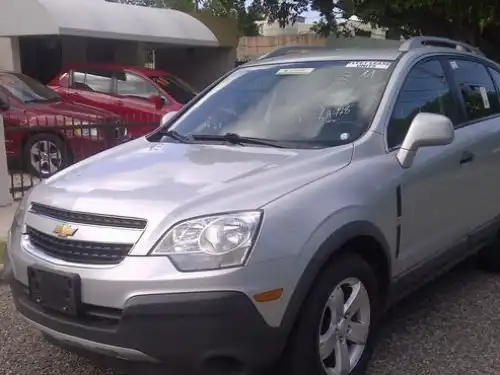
<point x="334" y="331"/>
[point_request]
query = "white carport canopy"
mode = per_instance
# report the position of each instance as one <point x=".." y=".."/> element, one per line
<point x="102" y="19"/>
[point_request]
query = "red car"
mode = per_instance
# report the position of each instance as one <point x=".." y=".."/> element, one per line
<point x="138" y="95"/>
<point x="44" y="133"/>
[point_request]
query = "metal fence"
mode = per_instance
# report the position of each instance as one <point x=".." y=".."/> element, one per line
<point x="38" y="147"/>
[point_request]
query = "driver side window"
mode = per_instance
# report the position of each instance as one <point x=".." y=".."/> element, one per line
<point x="425" y="90"/>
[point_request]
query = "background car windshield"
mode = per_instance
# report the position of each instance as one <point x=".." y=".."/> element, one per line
<point x="311" y="104"/>
<point x="27" y="89"/>
<point x="179" y="91"/>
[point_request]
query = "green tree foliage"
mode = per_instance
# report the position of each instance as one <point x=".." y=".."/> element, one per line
<point x="246" y="16"/>
<point x="476" y="22"/>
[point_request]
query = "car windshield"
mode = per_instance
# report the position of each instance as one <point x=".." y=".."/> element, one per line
<point x="309" y="105"/>
<point x="26" y="89"/>
<point x="180" y="91"/>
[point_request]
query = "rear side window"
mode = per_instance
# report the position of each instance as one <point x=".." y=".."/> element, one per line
<point x="132" y="85"/>
<point x="476" y="87"/>
<point x="425" y="90"/>
<point x="98" y="80"/>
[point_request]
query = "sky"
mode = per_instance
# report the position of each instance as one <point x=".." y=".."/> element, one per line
<point x="311" y="16"/>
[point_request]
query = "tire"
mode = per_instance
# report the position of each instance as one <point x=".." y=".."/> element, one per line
<point x="302" y="355"/>
<point x="36" y="160"/>
<point x="488" y="258"/>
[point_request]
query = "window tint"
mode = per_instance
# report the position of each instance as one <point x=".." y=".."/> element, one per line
<point x="133" y="85"/>
<point x="496" y="77"/>
<point x="425" y="90"/>
<point x="303" y="104"/>
<point x="92" y="80"/>
<point x="27" y="89"/>
<point x="177" y="89"/>
<point x="476" y="87"/>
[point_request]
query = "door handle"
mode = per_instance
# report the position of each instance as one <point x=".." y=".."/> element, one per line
<point x="467" y="157"/>
<point x="120" y="102"/>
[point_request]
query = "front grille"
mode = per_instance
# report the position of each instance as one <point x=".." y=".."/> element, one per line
<point x="78" y="251"/>
<point x="86" y="218"/>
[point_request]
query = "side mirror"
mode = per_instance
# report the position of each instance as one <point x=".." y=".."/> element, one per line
<point x="426" y="129"/>
<point x="167" y="117"/>
<point x="157" y="100"/>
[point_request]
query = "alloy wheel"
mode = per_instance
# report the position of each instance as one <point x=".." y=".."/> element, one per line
<point x="45" y="157"/>
<point x="344" y="327"/>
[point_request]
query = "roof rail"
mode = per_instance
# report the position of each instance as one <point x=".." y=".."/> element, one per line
<point x="432" y="41"/>
<point x="291" y="50"/>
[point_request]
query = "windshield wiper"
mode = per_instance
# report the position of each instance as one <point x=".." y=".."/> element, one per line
<point x="177" y="136"/>
<point x="237" y="139"/>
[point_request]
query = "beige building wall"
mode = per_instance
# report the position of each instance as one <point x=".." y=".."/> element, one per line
<point x="10" y="58"/>
<point x="197" y="66"/>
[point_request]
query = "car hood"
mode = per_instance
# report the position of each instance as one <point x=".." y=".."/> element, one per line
<point x="168" y="182"/>
<point x="69" y="109"/>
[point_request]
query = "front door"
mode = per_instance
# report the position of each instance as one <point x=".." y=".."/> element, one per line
<point x="433" y="188"/>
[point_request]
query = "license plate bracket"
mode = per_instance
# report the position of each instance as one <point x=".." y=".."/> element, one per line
<point x="55" y="291"/>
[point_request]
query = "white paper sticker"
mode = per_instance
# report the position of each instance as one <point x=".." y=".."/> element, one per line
<point x="484" y="95"/>
<point x="344" y="136"/>
<point x="369" y="64"/>
<point x="454" y="64"/>
<point x="294" y="71"/>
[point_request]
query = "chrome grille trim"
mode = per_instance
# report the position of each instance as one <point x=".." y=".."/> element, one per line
<point x="87" y="218"/>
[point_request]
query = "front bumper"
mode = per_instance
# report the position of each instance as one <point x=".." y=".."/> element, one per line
<point x="198" y="332"/>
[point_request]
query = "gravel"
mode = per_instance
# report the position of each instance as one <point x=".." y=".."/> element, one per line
<point x="449" y="327"/>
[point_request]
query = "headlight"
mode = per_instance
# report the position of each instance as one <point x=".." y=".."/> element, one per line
<point x="17" y="221"/>
<point x="211" y="242"/>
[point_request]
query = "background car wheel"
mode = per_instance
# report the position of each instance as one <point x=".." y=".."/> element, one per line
<point x="488" y="258"/>
<point x="334" y="332"/>
<point x="45" y="154"/>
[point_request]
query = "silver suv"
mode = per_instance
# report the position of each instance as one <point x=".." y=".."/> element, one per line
<point x="274" y="218"/>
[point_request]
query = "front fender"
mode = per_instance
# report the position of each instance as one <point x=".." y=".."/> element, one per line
<point x="326" y="243"/>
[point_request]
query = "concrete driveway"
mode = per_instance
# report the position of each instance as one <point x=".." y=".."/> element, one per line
<point x="450" y="327"/>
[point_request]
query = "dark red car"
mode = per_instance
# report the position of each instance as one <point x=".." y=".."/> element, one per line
<point x="138" y="95"/>
<point x="44" y="132"/>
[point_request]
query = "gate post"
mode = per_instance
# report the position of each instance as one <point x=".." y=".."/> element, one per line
<point x="5" y="196"/>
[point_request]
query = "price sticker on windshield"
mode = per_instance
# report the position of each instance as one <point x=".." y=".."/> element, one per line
<point x="294" y="71"/>
<point x="369" y="64"/>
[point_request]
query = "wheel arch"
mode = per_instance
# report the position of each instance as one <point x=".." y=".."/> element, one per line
<point x="362" y="237"/>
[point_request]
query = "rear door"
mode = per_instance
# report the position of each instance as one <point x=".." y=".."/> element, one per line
<point x="92" y="87"/>
<point x="480" y="102"/>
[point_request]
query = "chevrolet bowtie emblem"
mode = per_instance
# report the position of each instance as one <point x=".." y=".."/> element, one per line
<point x="64" y="230"/>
